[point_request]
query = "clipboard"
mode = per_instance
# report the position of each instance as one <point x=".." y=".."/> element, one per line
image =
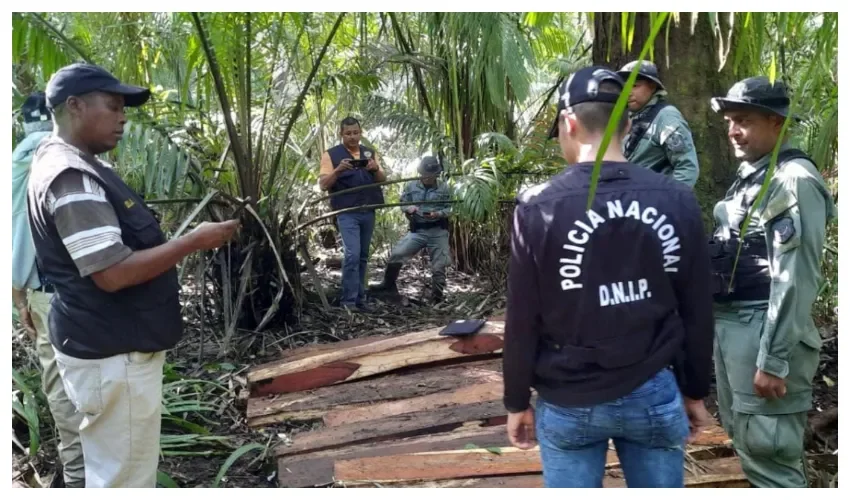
<point x="463" y="327"/>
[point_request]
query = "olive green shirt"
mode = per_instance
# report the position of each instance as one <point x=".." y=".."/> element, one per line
<point x="667" y="147"/>
<point x="792" y="218"/>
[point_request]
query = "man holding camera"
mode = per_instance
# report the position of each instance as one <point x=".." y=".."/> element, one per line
<point x="347" y="166"/>
<point x="429" y="228"/>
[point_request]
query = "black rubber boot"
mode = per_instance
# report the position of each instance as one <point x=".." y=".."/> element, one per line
<point x="389" y="283"/>
<point x="436" y="293"/>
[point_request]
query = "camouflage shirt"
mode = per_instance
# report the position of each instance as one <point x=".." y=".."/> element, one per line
<point x="667" y="147"/>
<point x="792" y="218"/>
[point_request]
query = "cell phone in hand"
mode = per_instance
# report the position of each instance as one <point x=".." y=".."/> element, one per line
<point x="359" y="163"/>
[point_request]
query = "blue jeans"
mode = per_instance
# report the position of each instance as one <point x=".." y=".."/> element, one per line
<point x="356" y="229"/>
<point x="649" y="428"/>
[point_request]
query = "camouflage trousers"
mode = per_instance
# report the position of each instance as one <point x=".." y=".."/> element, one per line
<point x="767" y="435"/>
<point x="65" y="415"/>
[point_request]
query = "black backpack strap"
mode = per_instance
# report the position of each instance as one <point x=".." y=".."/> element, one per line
<point x="640" y="126"/>
<point x="781" y="159"/>
<point x="792" y="154"/>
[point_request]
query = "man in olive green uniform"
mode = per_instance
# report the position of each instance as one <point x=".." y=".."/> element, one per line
<point x="428" y="228"/>
<point x="766" y="345"/>
<point x="660" y="138"/>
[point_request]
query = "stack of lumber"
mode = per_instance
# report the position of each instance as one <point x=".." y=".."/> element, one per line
<point x="417" y="410"/>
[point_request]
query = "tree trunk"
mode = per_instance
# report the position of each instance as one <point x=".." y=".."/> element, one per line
<point x="690" y="73"/>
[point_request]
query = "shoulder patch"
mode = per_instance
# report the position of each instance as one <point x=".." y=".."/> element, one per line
<point x="783" y="229"/>
<point x="675" y="143"/>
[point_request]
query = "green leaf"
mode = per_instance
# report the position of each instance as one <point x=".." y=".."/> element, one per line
<point x="20" y="383"/>
<point x="471" y="446"/>
<point x="233" y="458"/>
<point x="495" y="450"/>
<point x="624" y="30"/>
<point x="165" y="480"/>
<point x="189" y="426"/>
<point x="772" y="70"/>
<point x="828" y="381"/>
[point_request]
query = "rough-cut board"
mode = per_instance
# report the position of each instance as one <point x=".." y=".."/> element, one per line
<point x="390" y="427"/>
<point x="713" y="436"/>
<point x="372" y="392"/>
<point x="463" y="463"/>
<point x="720" y="473"/>
<point x="443" y="465"/>
<point x="361" y="361"/>
<point x="317" y="468"/>
<point x="315" y="349"/>
<point x="488" y="391"/>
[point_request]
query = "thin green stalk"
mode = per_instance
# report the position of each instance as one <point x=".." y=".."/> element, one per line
<point x="619" y="108"/>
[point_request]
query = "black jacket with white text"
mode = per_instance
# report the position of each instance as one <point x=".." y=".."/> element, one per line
<point x="601" y="300"/>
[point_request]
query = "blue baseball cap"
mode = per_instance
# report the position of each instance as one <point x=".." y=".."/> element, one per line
<point x="35" y="113"/>
<point x="81" y="78"/>
<point x="583" y="86"/>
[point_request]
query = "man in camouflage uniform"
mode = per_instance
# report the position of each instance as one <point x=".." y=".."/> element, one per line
<point x="428" y="228"/>
<point x="660" y="138"/>
<point x="766" y="344"/>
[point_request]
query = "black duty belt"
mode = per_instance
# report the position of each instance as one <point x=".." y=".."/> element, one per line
<point x="760" y="291"/>
<point x="45" y="288"/>
<point x="441" y="223"/>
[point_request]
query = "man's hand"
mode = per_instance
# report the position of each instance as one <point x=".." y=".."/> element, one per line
<point x="698" y="417"/>
<point x="769" y="386"/>
<point x="211" y="235"/>
<point x="343" y="166"/>
<point x="412" y="209"/>
<point x="432" y="215"/>
<point x="25" y="317"/>
<point x="521" y="429"/>
<point x="372" y="166"/>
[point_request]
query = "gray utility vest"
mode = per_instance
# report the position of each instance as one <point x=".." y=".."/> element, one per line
<point x="87" y="322"/>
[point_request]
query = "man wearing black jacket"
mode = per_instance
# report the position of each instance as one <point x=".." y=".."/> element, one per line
<point x="602" y="303"/>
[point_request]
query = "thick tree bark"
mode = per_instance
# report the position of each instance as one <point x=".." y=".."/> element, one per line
<point x="690" y="72"/>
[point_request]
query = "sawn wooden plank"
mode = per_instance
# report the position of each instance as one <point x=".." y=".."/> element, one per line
<point x="463" y="463"/>
<point x="361" y="361"/>
<point x="370" y="392"/>
<point x="397" y="426"/>
<point x="488" y="391"/>
<point x="317" y="468"/>
<point x="718" y="473"/>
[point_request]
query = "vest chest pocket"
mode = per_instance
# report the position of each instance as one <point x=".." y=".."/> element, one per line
<point x="139" y="229"/>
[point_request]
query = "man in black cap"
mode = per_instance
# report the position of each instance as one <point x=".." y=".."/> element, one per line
<point x="429" y="228"/>
<point x="660" y="138"/>
<point x="602" y="303"/>
<point x="31" y="294"/>
<point x="115" y="310"/>
<point x="766" y="344"/>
